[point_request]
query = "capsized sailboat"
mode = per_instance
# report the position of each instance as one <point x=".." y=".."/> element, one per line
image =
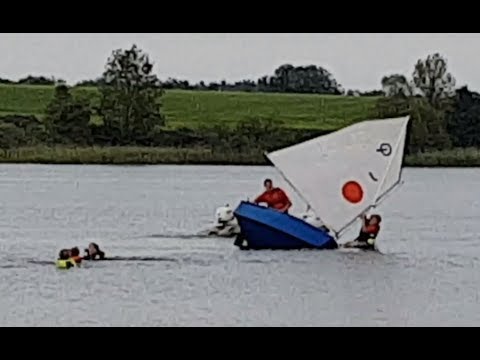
<point x="340" y="176"/>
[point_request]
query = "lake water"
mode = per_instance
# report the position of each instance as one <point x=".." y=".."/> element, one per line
<point x="429" y="273"/>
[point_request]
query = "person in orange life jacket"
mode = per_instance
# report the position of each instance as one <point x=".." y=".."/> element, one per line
<point x="368" y="232"/>
<point x="274" y="197"/>
<point x="75" y="255"/>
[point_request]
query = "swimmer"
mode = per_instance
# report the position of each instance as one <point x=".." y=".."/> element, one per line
<point x="93" y="252"/>
<point x="64" y="254"/>
<point x="65" y="260"/>
<point x="75" y="255"/>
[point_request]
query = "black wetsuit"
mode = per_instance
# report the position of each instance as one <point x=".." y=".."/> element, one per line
<point x="97" y="256"/>
<point x="363" y="238"/>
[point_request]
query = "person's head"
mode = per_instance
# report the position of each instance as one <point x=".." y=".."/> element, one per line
<point x="268" y="183"/>
<point x="94" y="250"/>
<point x="64" y="254"/>
<point x="375" y="219"/>
<point x="75" y="252"/>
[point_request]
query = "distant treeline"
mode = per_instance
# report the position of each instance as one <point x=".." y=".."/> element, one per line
<point x="129" y="112"/>
<point x="287" y="78"/>
<point x="33" y="80"/>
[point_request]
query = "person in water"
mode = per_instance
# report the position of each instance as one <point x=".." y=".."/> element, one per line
<point x="75" y="255"/>
<point x="274" y="197"/>
<point x="93" y="252"/>
<point x="368" y="233"/>
<point x="67" y="259"/>
<point x="64" y="254"/>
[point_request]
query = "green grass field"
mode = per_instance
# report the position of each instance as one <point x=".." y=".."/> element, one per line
<point x="195" y="109"/>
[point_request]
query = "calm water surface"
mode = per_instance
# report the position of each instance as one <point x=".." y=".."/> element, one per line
<point x="429" y="274"/>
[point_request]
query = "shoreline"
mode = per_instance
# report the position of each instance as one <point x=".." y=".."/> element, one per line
<point x="143" y="156"/>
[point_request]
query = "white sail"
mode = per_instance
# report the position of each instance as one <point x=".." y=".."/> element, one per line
<point x="394" y="170"/>
<point x="344" y="173"/>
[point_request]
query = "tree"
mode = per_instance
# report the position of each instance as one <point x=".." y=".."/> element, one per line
<point x="305" y="79"/>
<point x="396" y="85"/>
<point x="37" y="80"/>
<point x="432" y="79"/>
<point x="427" y="99"/>
<point x="89" y="83"/>
<point x="262" y="83"/>
<point x="464" y="121"/>
<point x="130" y="97"/>
<point x="68" y="119"/>
<point x="6" y="81"/>
<point x="11" y="136"/>
<point x="32" y="129"/>
<point x="428" y="126"/>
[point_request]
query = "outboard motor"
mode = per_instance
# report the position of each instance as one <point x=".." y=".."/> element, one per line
<point x="225" y="225"/>
<point x="224" y="214"/>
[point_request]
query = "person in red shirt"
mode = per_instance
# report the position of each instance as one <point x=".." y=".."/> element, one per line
<point x="274" y="197"/>
<point x="368" y="233"/>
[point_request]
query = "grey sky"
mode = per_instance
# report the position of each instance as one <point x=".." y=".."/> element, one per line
<point x="358" y="61"/>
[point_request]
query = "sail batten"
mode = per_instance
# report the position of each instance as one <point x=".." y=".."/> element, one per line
<point x="345" y="173"/>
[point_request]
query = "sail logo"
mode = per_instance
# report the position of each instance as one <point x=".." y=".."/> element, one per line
<point x="385" y="149"/>
<point x="352" y="191"/>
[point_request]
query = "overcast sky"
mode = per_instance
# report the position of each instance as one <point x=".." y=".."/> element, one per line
<point x="357" y="61"/>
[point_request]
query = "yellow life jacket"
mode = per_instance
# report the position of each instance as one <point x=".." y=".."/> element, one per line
<point x="65" y="264"/>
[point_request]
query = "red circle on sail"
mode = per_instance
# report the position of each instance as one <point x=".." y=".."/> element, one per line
<point x="352" y="192"/>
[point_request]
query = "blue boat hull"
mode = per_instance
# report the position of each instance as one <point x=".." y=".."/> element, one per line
<point x="263" y="228"/>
